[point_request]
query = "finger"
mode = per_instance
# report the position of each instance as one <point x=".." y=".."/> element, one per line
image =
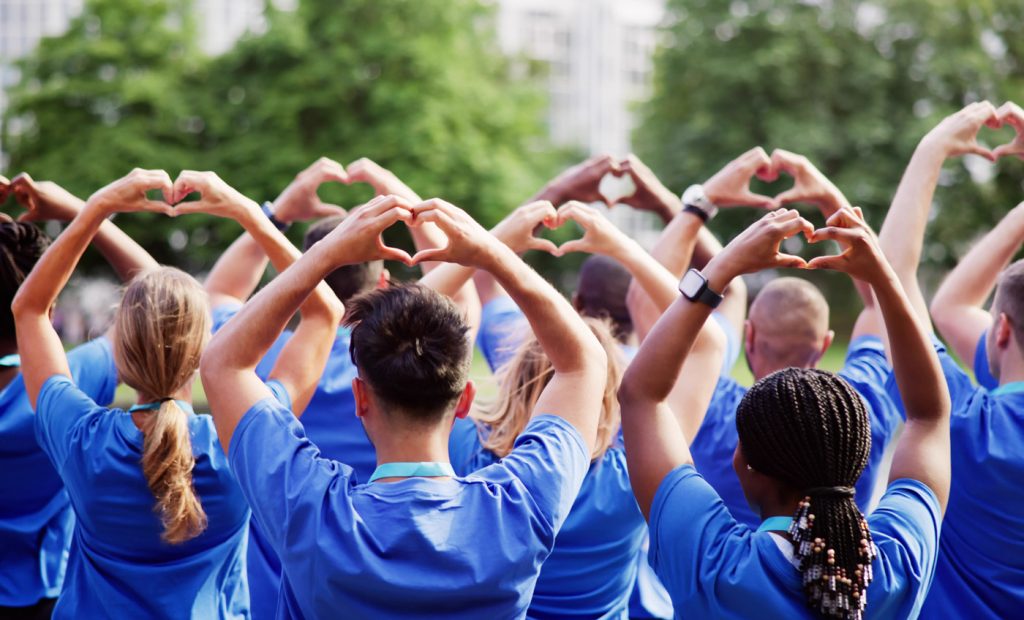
<point x="791" y="195"/>
<point x="987" y="114"/>
<point x="330" y="170"/>
<point x="757" y="200"/>
<point x="328" y="210"/>
<point x="390" y="217"/>
<point x="1008" y="149"/>
<point x="790" y="261"/>
<point x="27" y="216"/>
<point x="756" y="159"/>
<point x="428" y="255"/>
<point x="576" y="245"/>
<point x="158" y="206"/>
<point x="544" y="245"/>
<point x="833" y="263"/>
<point x="188" y="208"/>
<point x="387" y="252"/>
<point x="381" y="204"/>
<point x="542" y="211"/>
<point x="796" y="226"/>
<point x="977" y="149"/>
<point x="443" y="220"/>
<point x="845" y="235"/>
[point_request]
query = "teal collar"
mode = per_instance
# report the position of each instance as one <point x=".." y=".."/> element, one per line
<point x="10" y="361"/>
<point x="1009" y="388"/>
<point x="153" y="406"/>
<point x="412" y="470"/>
<point x="776" y="524"/>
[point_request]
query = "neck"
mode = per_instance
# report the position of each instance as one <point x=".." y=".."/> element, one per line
<point x="413" y="446"/>
<point x="1011" y="368"/>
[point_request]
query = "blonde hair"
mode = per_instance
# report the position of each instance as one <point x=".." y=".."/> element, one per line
<point x="524" y="377"/>
<point x="160" y="330"/>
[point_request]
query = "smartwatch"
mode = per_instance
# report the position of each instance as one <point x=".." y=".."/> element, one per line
<point x="694" y="286"/>
<point x="278" y="224"/>
<point x="696" y="201"/>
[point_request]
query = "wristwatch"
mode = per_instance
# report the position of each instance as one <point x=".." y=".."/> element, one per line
<point x="694" y="286"/>
<point x="696" y="201"/>
<point x="278" y="224"/>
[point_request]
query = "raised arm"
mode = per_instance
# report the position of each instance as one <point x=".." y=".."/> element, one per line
<point x="655" y="442"/>
<point x="579" y="361"/>
<point x="237" y="272"/>
<point x="228" y="366"/>
<point x="923" y="449"/>
<point x="301" y="362"/>
<point x="676" y="245"/>
<point x="902" y="234"/>
<point x="42" y="354"/>
<point x="45" y="200"/>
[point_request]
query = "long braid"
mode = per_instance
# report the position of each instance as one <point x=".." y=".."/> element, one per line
<point x="810" y="430"/>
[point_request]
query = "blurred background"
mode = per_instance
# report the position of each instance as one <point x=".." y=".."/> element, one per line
<point x="481" y="102"/>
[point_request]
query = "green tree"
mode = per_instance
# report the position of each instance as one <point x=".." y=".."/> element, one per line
<point x="851" y="84"/>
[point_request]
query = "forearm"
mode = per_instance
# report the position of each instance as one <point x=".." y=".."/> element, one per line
<point x="706" y="247"/>
<point x="124" y="255"/>
<point x="238" y="271"/>
<point x="656" y="281"/>
<point x="565" y="338"/>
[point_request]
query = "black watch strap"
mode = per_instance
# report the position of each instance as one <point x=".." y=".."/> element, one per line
<point x="701" y="213"/>
<point x="278" y="224"/>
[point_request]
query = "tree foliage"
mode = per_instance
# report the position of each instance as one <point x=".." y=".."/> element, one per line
<point x="851" y="84"/>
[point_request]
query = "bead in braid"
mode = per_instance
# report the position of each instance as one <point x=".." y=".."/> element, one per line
<point x="810" y="430"/>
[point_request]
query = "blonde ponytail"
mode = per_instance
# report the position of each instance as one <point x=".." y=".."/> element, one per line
<point x="160" y="330"/>
<point x="167" y="463"/>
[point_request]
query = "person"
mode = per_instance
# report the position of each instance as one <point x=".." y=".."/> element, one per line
<point x="788" y="326"/>
<point x="590" y="572"/>
<point x="376" y="549"/>
<point x="804" y="438"/>
<point x="329" y="420"/>
<point x="981" y="555"/>
<point x="37" y="520"/>
<point x="161" y="524"/>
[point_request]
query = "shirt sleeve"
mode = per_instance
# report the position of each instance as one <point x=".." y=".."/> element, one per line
<point x="982" y="372"/>
<point x="93" y="370"/>
<point x="905" y="527"/>
<point x="61" y="405"/>
<point x="280" y="471"/>
<point x="502" y="328"/>
<point x="693" y="536"/>
<point x="867" y="370"/>
<point x="223" y="313"/>
<point x="463" y="444"/>
<point x="961" y="389"/>
<point x="550" y="460"/>
<point x="280" y="393"/>
<point x="732" y="342"/>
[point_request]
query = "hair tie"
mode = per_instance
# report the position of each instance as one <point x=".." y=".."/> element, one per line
<point x="838" y="491"/>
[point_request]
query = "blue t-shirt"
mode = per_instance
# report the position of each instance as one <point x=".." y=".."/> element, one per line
<point x="467" y="547"/>
<point x="36" y="519"/>
<point x="716" y="567"/>
<point x="330" y="422"/>
<point x="981" y="554"/>
<point x="591" y="571"/>
<point x="119" y="567"/>
<point x="503" y="326"/>
<point x="982" y="372"/>
<point x="866" y="369"/>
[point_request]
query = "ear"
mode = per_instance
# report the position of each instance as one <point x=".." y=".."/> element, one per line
<point x="1003" y="331"/>
<point x="748" y="337"/>
<point x="826" y="342"/>
<point x="362" y="397"/>
<point x="465" y="401"/>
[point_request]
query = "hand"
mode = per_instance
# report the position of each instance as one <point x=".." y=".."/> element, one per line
<point x="468" y="243"/>
<point x="299" y="201"/>
<point x="730" y="187"/>
<point x="358" y="238"/>
<point x="129" y="193"/>
<point x="579" y="182"/>
<point x="600" y="236"/>
<point x="5" y="188"/>
<point x="1011" y="114"/>
<point x="518" y="228"/>
<point x="216" y="197"/>
<point x="44" y="200"/>
<point x="862" y="257"/>
<point x="809" y="186"/>
<point x="957" y="134"/>
<point x="650" y="194"/>
<point x="757" y="248"/>
<point x="383" y="181"/>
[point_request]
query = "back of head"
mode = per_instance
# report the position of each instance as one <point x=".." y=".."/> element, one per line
<point x="160" y="330"/>
<point x="525" y="376"/>
<point x="409" y="344"/>
<point x="790" y="321"/>
<point x="21" y="245"/>
<point x="601" y="293"/>
<point x="349" y="280"/>
<point x="809" y="430"/>
<point x="1009" y="299"/>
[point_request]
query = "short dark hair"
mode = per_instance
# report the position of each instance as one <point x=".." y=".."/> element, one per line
<point x="21" y="245"/>
<point x="349" y="280"/>
<point x="410" y="346"/>
<point x="601" y="293"/>
<point x="1009" y="299"/>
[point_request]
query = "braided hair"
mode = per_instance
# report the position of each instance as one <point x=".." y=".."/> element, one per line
<point x="810" y="430"/>
<point x="21" y="245"/>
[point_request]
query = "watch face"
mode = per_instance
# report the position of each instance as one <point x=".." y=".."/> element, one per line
<point x="693" y="194"/>
<point x="691" y="284"/>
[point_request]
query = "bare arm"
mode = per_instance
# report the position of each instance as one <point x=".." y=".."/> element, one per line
<point x="42" y="354"/>
<point x="655" y="442"/>
<point x="228" y="366"/>
<point x="923" y="449"/>
<point x="958" y="307"/>
<point x="45" y="200"/>
<point x="299" y="366"/>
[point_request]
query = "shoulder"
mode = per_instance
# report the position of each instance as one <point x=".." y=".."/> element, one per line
<point x="908" y="517"/>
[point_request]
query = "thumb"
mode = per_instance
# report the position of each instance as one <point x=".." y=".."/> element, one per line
<point x="328" y="210"/>
<point x="544" y="245"/>
<point x="793" y="194"/>
<point x="833" y="263"/>
<point x="788" y="260"/>
<point x="576" y="245"/>
<point x="977" y="149"/>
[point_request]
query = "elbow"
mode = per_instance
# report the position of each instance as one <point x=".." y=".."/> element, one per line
<point x="22" y="306"/>
<point x="212" y="361"/>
